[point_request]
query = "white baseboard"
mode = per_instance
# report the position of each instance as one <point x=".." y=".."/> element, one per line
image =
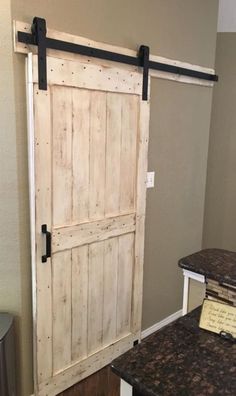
<point x="162" y="323"/>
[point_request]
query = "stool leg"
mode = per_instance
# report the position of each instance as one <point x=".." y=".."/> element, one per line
<point x="125" y="389"/>
<point x="185" y="295"/>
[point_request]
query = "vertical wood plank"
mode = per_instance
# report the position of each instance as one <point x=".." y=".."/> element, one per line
<point x="97" y="154"/>
<point x="103" y="382"/>
<point x="90" y="385"/>
<point x="128" y="152"/>
<point x="113" y="143"/>
<point x="62" y="150"/>
<point x="125" y="274"/>
<point x="80" y="154"/>
<point x="95" y="297"/>
<point x="79" y="302"/>
<point x="113" y="383"/>
<point x="61" y="310"/>
<point x="140" y="215"/>
<point x="43" y="320"/>
<point x="110" y="290"/>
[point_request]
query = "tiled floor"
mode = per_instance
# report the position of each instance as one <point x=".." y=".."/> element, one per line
<point x="102" y="383"/>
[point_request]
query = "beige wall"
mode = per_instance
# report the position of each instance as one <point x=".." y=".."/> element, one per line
<point x="14" y="232"/>
<point x="181" y="29"/>
<point x="220" y="212"/>
<point x="180" y="119"/>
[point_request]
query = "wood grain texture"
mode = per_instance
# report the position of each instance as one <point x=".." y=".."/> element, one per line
<point x="143" y="139"/>
<point x="113" y="384"/>
<point x="80" y="154"/>
<point x="102" y="386"/>
<point x="86" y="367"/>
<point x="89" y="76"/>
<point x="124" y="293"/>
<point x="97" y="155"/>
<point x="22" y="48"/>
<point x="128" y="152"/>
<point x="81" y="234"/>
<point x="111" y="247"/>
<point x="43" y="281"/>
<point x="62" y="159"/>
<point x="95" y="191"/>
<point x="95" y="297"/>
<point x="61" y="310"/>
<point x="79" y="284"/>
<point x="113" y="148"/>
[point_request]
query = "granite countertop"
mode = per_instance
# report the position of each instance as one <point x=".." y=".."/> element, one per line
<point x="180" y="360"/>
<point x="216" y="264"/>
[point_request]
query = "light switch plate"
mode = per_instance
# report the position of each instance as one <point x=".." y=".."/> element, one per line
<point x="150" y="179"/>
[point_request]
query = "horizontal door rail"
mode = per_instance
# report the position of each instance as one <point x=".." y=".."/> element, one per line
<point x="38" y="38"/>
<point x="69" y="237"/>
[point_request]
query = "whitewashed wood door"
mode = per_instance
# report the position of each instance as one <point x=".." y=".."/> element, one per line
<point x="90" y="147"/>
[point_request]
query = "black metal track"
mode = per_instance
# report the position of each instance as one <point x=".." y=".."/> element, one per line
<point x="60" y="45"/>
<point x="38" y="37"/>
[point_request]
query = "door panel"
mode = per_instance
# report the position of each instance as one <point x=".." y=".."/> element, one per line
<point x="128" y="152"/>
<point x="80" y="154"/>
<point x="91" y="137"/>
<point x="61" y="307"/>
<point x="124" y="286"/>
<point x="79" y="285"/>
<point x="113" y="153"/>
<point x="110" y="268"/>
<point x="62" y="175"/>
<point x="97" y="155"/>
<point x="95" y="297"/>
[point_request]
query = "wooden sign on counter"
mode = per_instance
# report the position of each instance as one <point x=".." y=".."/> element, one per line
<point x="218" y="317"/>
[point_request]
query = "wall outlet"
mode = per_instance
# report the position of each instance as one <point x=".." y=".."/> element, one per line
<point x="150" y="179"/>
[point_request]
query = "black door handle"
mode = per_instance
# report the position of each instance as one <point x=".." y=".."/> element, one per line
<point x="48" y="243"/>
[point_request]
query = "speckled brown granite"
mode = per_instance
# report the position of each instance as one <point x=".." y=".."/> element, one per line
<point x="180" y="360"/>
<point x="216" y="264"/>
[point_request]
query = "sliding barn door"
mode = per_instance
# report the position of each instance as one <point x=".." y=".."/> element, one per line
<point x="90" y="154"/>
